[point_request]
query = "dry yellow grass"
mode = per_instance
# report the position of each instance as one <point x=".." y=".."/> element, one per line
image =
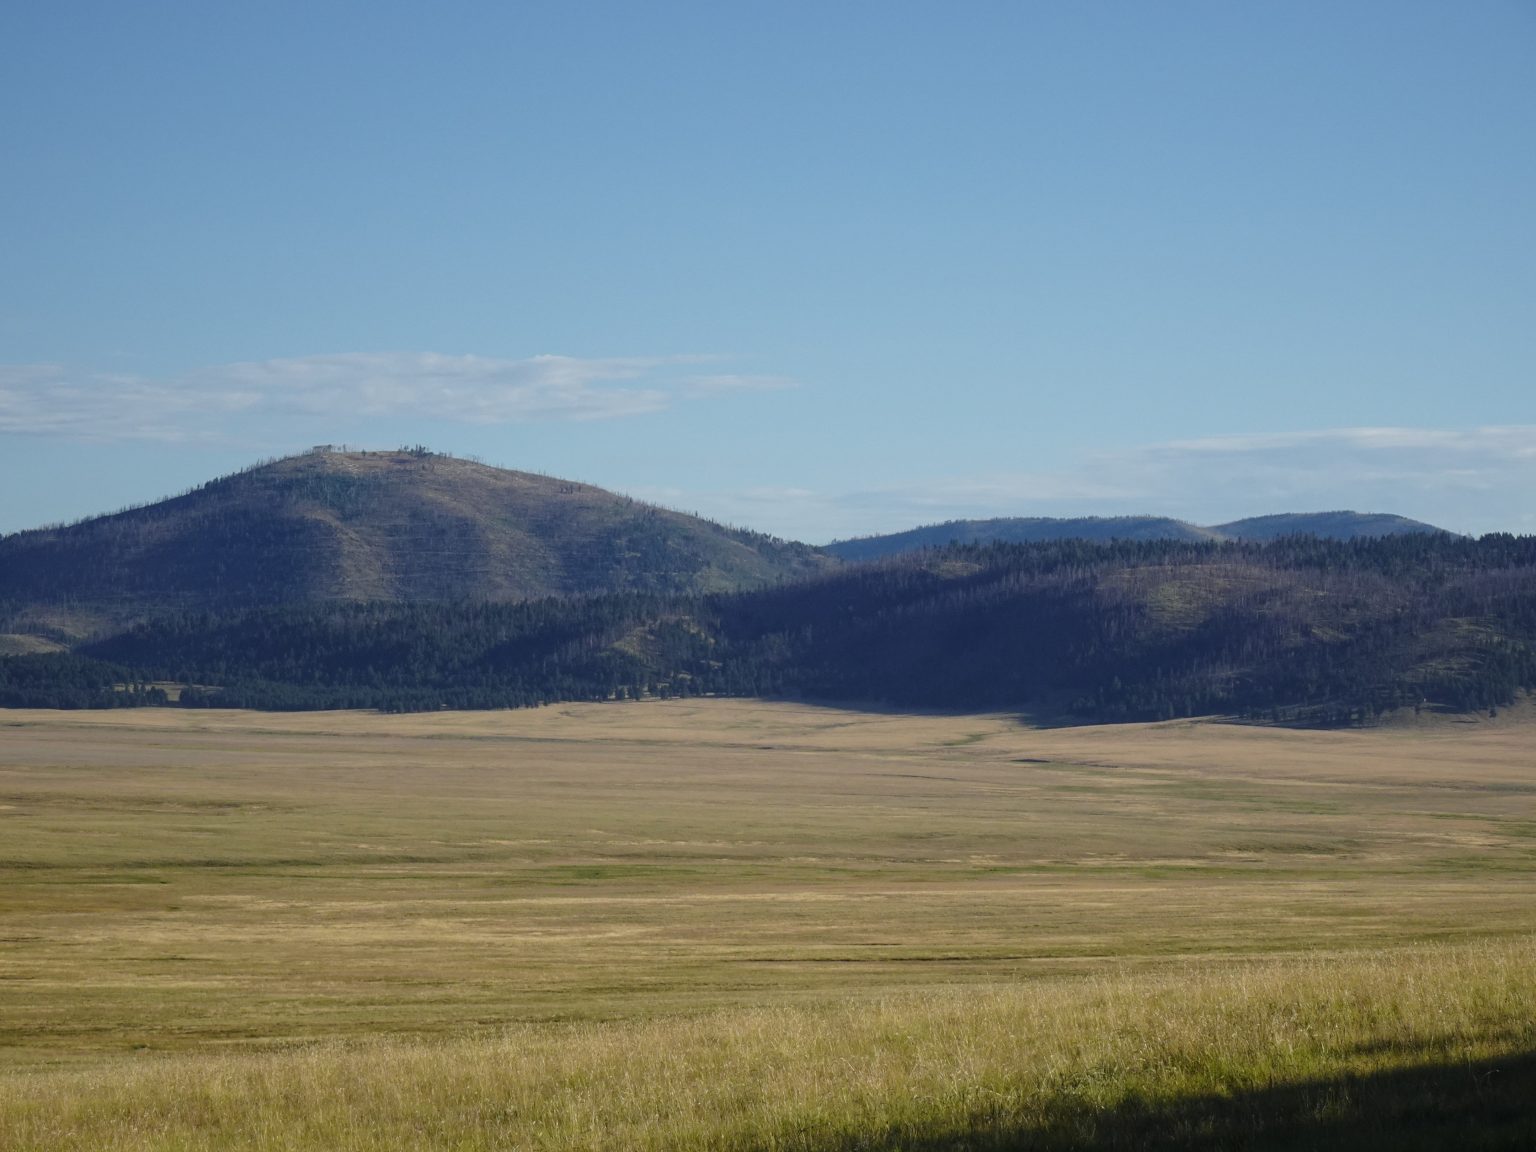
<point x="1272" y="1054"/>
<point x="184" y="896"/>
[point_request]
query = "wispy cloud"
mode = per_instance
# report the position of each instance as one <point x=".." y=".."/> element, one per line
<point x="51" y="399"/>
<point x="1387" y="467"/>
<point x="1472" y="480"/>
<point x="48" y="399"/>
<point x="1517" y="436"/>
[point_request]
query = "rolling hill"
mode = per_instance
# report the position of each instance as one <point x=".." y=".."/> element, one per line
<point x="1019" y="530"/>
<point x="1027" y="530"/>
<point x="1327" y="525"/>
<point x="406" y="580"/>
<point x="405" y="526"/>
<point x="1294" y="630"/>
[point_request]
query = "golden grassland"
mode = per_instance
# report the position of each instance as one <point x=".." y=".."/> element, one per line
<point x="722" y="924"/>
<point x="1332" y="1051"/>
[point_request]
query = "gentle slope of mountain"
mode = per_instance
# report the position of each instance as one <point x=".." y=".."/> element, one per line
<point x="1021" y="530"/>
<point x="1328" y="525"/>
<point x="405" y="580"/>
<point x="1297" y="630"/>
<point x="390" y="526"/>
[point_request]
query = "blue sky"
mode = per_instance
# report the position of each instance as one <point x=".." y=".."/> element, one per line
<point x="820" y="269"/>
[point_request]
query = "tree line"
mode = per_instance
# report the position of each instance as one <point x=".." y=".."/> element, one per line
<point x="1300" y="630"/>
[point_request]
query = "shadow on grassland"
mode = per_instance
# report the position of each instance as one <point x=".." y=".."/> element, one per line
<point x="1489" y="1105"/>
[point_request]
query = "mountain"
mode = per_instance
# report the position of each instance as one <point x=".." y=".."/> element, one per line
<point x="404" y="526"/>
<point x="1327" y="525"/>
<point x="1019" y="530"/>
<point x="1295" y="630"/>
<point x="407" y="580"/>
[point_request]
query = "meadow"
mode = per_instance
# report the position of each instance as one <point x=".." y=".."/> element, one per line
<point x="730" y="924"/>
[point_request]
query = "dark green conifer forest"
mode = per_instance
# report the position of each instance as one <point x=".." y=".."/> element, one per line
<point x="1298" y="630"/>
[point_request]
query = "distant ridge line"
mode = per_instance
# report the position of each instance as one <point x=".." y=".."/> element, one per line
<point x="1336" y="525"/>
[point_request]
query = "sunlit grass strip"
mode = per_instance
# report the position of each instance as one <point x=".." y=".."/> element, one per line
<point x="1057" y="1057"/>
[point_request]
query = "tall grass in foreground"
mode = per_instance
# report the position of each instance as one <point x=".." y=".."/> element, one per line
<point x="1205" y="1057"/>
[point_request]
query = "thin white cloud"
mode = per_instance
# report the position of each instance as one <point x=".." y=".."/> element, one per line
<point x="46" y="399"/>
<point x="1387" y="467"/>
<point x="49" y="399"/>
<point x="1517" y="437"/>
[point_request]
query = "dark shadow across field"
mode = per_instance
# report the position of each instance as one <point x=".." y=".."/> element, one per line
<point x="1477" y="1107"/>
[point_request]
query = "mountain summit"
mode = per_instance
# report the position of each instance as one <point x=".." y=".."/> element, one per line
<point x="378" y="526"/>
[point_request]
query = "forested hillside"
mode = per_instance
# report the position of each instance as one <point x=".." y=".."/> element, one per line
<point x="1299" y="630"/>
<point x="1330" y="525"/>
<point x="1031" y="530"/>
<point x="1019" y="530"/>
<point x="1302" y="629"/>
<point x="405" y="526"/>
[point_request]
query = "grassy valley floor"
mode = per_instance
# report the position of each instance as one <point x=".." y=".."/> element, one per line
<point x="722" y="924"/>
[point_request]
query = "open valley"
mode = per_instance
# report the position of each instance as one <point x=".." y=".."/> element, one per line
<point x="191" y="890"/>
